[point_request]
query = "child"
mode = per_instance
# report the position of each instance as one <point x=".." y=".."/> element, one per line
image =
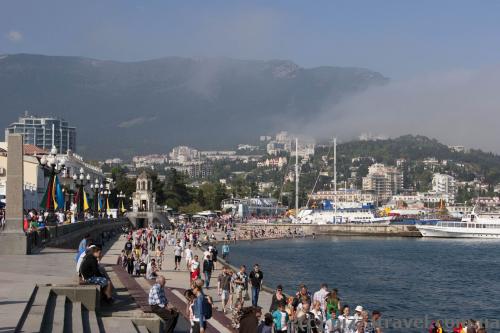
<point x="281" y="318"/>
<point x="137" y="267"/>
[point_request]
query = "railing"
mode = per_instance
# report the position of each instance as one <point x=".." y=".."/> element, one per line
<point x="469" y="225"/>
<point x="44" y="236"/>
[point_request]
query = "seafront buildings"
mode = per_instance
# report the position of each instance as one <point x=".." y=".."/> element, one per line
<point x="383" y="181"/>
<point x="45" y="132"/>
<point x="36" y="180"/>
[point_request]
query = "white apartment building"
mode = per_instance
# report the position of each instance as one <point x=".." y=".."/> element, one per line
<point x="444" y="184"/>
<point x="184" y="154"/>
<point x="383" y="181"/>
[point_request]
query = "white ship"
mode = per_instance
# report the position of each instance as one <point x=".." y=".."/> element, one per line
<point x="342" y="215"/>
<point x="485" y="225"/>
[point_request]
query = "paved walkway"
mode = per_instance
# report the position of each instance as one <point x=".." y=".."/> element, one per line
<point x="20" y="273"/>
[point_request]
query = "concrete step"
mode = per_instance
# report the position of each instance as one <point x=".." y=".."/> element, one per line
<point x="90" y="322"/>
<point x="121" y="325"/>
<point x="59" y="314"/>
<point x="142" y="329"/>
<point x="34" y="319"/>
<point x="76" y="317"/>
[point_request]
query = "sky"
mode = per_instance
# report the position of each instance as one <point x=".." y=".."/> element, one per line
<point x="399" y="38"/>
<point x="442" y="56"/>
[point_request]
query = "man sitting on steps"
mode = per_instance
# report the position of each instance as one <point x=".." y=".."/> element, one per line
<point x="91" y="273"/>
<point x="160" y="306"/>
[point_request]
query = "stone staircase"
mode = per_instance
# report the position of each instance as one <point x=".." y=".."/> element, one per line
<point x="76" y="308"/>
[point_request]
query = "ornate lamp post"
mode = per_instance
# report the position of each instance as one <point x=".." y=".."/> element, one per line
<point x="105" y="193"/>
<point x="120" y="197"/>
<point x="80" y="181"/>
<point x="53" y="165"/>
<point x="96" y="187"/>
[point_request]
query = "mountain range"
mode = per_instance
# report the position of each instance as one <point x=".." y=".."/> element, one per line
<point x="127" y="108"/>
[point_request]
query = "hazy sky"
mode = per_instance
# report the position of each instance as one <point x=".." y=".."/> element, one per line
<point x="399" y="38"/>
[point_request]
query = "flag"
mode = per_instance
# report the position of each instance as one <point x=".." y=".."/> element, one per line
<point x="53" y="192"/>
<point x="123" y="210"/>
<point x="43" y="203"/>
<point x="99" y="202"/>
<point x="47" y="197"/>
<point x="85" y="202"/>
<point x="59" y="197"/>
<point x="107" y="206"/>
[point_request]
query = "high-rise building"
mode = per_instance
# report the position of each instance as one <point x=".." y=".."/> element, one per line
<point x="45" y="132"/>
<point x="383" y="181"/>
<point x="444" y="184"/>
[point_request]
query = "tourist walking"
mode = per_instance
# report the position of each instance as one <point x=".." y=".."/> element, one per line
<point x="347" y="323"/>
<point x="281" y="319"/>
<point x="277" y="299"/>
<point x="188" y="256"/>
<point x="199" y="311"/>
<point x="224" y="287"/>
<point x="159" y="305"/>
<point x="195" y="269"/>
<point x="240" y="282"/>
<point x="177" y="255"/>
<point x="320" y="296"/>
<point x="256" y="276"/>
<point x="225" y="251"/>
<point x="208" y="267"/>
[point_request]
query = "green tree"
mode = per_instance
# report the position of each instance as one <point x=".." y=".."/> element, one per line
<point x="191" y="208"/>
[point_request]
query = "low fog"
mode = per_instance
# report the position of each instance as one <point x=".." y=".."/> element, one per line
<point x="457" y="107"/>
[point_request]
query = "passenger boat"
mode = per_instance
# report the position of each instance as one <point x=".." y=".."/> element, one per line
<point x="484" y="225"/>
<point x="364" y="215"/>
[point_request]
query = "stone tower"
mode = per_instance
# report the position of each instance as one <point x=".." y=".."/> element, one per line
<point x="144" y="199"/>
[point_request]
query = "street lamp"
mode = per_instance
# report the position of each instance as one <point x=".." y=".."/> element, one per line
<point x="54" y="165"/>
<point x="105" y="193"/>
<point x="80" y="181"/>
<point x="120" y="197"/>
<point x="96" y="187"/>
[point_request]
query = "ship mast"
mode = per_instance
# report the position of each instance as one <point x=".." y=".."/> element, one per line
<point x="335" y="174"/>
<point x="296" y="177"/>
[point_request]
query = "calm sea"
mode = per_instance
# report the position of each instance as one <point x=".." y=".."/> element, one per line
<point x="410" y="280"/>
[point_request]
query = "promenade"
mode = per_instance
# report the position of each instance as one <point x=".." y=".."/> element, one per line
<point x="179" y="280"/>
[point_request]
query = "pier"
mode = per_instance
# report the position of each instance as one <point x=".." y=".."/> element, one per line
<point x="348" y="229"/>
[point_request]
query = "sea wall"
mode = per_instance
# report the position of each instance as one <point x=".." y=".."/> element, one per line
<point x="337" y="229"/>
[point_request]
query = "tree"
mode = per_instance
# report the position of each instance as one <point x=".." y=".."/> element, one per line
<point x="176" y="191"/>
<point x="192" y="208"/>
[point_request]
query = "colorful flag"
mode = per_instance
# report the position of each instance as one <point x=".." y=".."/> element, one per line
<point x="59" y="194"/>
<point x="123" y="210"/>
<point x="85" y="202"/>
<point x="108" y="211"/>
<point x="45" y="201"/>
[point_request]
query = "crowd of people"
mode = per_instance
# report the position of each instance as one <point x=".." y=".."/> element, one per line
<point x="270" y="232"/>
<point x="238" y="290"/>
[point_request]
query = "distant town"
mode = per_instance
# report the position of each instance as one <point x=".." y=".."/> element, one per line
<point x="410" y="172"/>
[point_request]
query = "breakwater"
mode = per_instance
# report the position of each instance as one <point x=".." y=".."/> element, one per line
<point x="351" y="229"/>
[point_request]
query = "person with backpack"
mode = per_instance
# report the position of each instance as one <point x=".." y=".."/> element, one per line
<point x="214" y="253"/>
<point x="202" y="310"/>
